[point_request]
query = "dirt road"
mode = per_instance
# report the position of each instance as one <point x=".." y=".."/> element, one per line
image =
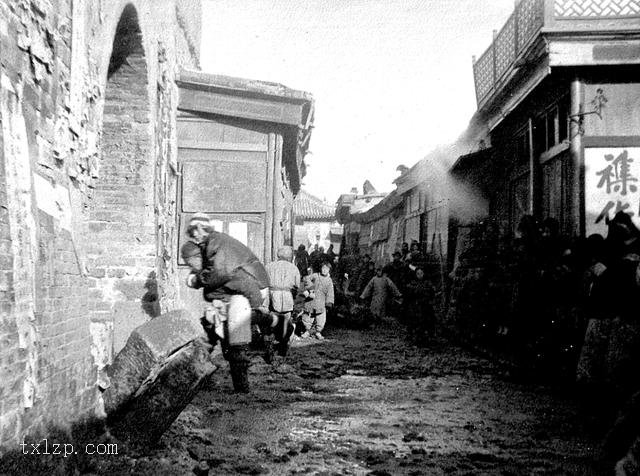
<point x="360" y="402"/>
<point x="366" y="402"/>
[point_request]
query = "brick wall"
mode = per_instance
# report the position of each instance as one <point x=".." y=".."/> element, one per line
<point x="45" y="362"/>
<point x="78" y="198"/>
<point x="11" y="362"/>
<point x="121" y="255"/>
<point x="65" y="375"/>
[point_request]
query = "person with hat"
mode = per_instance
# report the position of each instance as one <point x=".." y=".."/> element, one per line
<point x="228" y="266"/>
<point x="226" y="270"/>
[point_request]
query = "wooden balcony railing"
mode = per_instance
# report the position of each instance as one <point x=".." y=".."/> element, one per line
<point x="530" y="17"/>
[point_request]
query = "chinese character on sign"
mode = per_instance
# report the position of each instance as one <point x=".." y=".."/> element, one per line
<point x="617" y="174"/>
<point x="620" y="207"/>
<point x="612" y="176"/>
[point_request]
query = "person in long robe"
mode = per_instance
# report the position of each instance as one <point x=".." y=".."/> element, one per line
<point x="302" y="260"/>
<point x="380" y="289"/>
<point x="419" y="295"/>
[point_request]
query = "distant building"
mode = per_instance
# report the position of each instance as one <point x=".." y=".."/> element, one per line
<point x="241" y="151"/>
<point x="315" y="223"/>
<point x="349" y="212"/>
<point x="555" y="135"/>
<point x="558" y="94"/>
<point x="558" y="90"/>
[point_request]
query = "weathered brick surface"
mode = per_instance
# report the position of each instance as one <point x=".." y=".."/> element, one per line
<point x="94" y="212"/>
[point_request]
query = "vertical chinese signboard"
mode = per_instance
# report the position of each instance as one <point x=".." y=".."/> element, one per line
<point x="612" y="178"/>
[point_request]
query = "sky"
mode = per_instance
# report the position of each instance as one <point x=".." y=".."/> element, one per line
<point x="392" y="79"/>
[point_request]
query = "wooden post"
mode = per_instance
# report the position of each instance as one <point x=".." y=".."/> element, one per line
<point x="276" y="235"/>
<point x="576" y="190"/>
<point x="268" y="219"/>
<point x="532" y="170"/>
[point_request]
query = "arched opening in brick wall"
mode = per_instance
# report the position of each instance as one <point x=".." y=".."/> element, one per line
<point x="121" y="255"/>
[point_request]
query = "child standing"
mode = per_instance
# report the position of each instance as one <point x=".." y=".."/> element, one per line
<point x="315" y="315"/>
<point x="379" y="289"/>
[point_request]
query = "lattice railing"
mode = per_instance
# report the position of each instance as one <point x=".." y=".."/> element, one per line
<point x="593" y="9"/>
<point x="530" y="19"/>
<point x="522" y="25"/>
<point x="505" y="47"/>
<point x="483" y="74"/>
<point x="525" y="23"/>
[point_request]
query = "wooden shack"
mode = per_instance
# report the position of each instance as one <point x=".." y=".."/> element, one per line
<point x="558" y="90"/>
<point x="241" y="148"/>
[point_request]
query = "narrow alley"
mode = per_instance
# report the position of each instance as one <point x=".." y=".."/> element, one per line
<point x="177" y="175"/>
<point x="366" y="402"/>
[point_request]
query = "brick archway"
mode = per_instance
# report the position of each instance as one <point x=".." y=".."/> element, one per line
<point x="121" y="256"/>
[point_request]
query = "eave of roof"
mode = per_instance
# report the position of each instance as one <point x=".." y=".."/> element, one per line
<point x="466" y="160"/>
<point x="309" y="207"/>
<point x="243" y="85"/>
<point x="378" y="211"/>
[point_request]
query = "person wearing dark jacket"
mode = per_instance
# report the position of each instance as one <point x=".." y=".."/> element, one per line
<point x="302" y="260"/>
<point x="228" y="270"/>
<point x="419" y="294"/>
<point x="405" y="253"/>
<point x="331" y="254"/>
<point x="365" y="270"/>
<point x="228" y="267"/>
<point x="397" y="271"/>
<point x="314" y="258"/>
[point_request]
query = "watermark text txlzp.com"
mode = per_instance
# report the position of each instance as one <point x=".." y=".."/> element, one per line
<point x="46" y="447"/>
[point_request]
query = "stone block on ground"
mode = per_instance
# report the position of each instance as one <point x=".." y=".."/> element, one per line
<point x="163" y="395"/>
<point x="147" y="347"/>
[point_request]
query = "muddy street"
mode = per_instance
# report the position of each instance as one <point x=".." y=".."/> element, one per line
<point x="366" y="402"/>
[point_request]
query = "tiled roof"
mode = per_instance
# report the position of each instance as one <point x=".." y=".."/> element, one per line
<point x="308" y="207"/>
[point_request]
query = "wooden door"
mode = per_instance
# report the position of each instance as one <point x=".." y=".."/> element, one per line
<point x="223" y="173"/>
<point x="554" y="188"/>
<point x="519" y="200"/>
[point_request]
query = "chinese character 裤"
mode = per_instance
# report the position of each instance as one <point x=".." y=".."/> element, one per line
<point x="617" y="174"/>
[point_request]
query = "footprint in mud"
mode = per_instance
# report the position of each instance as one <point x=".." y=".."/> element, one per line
<point x="308" y="446"/>
<point x="413" y="436"/>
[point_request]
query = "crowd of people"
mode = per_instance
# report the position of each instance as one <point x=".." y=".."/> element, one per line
<point x="247" y="302"/>
<point x="367" y="292"/>
<point x="546" y="299"/>
<point x="574" y="296"/>
<point x="571" y="313"/>
<point x="571" y="307"/>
